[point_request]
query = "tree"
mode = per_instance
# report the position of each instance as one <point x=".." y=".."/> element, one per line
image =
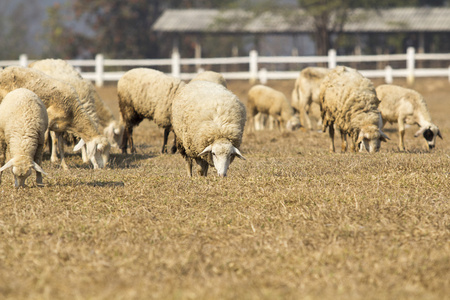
<point x="330" y="17"/>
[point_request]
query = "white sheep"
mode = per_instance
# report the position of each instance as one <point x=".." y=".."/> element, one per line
<point x="208" y="121"/>
<point x="405" y="106"/>
<point x="266" y="100"/>
<point x="23" y="122"/>
<point x="306" y="92"/>
<point x="65" y="111"/>
<point x="211" y="76"/>
<point x="348" y="100"/>
<point x="89" y="97"/>
<point x="146" y="94"/>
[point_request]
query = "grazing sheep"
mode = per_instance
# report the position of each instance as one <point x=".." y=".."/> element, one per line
<point x="211" y="76"/>
<point x="23" y="122"/>
<point x="208" y="121"/>
<point x="306" y="91"/>
<point x="92" y="103"/>
<point x="406" y="106"/>
<point x="65" y="112"/>
<point x="266" y="100"/>
<point x="146" y="94"/>
<point x="348" y="100"/>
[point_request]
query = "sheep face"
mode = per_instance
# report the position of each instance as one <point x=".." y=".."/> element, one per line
<point x="222" y="154"/>
<point x="21" y="170"/>
<point x="114" y="134"/>
<point x="293" y="123"/>
<point x="97" y="151"/>
<point x="370" y="138"/>
<point x="429" y="133"/>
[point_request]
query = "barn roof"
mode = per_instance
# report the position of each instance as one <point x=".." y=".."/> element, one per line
<point x="238" y="21"/>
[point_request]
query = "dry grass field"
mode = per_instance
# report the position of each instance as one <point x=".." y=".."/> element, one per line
<point x="291" y="222"/>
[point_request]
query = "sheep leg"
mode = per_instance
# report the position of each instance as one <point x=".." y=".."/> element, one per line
<point x="59" y="138"/>
<point x="343" y="141"/>
<point x="53" y="144"/>
<point x="189" y="166"/>
<point x="173" y="150"/>
<point x="166" y="136"/>
<point x="305" y="120"/>
<point x="401" y="131"/>
<point x="202" y="167"/>
<point x="2" y="153"/>
<point x="38" y="159"/>
<point x="331" y="134"/>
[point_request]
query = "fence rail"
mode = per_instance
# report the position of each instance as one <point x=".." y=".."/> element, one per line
<point x="256" y="69"/>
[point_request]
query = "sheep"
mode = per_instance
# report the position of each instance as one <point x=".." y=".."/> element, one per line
<point x="92" y="103"/>
<point x="146" y="94"/>
<point x="208" y="121"/>
<point x="265" y="100"/>
<point x="306" y="91"/>
<point x="211" y="76"/>
<point x="348" y="100"/>
<point x="23" y="122"/>
<point x="406" y="106"/>
<point x="89" y="98"/>
<point x="65" y="112"/>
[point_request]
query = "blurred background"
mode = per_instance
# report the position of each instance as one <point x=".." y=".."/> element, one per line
<point x="79" y="29"/>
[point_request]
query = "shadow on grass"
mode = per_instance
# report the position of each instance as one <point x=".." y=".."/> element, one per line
<point x="128" y="161"/>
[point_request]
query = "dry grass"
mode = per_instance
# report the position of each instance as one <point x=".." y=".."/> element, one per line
<point x="293" y="221"/>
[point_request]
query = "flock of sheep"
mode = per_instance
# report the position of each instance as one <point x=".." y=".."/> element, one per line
<point x="50" y="102"/>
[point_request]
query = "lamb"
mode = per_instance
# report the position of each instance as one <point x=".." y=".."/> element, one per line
<point x="306" y="91"/>
<point x="90" y="99"/>
<point x="265" y="100"/>
<point x="23" y="122"/>
<point x="211" y="76"/>
<point x="146" y="93"/>
<point x="348" y="100"/>
<point x="208" y="121"/>
<point x="406" y="106"/>
<point x="65" y="112"/>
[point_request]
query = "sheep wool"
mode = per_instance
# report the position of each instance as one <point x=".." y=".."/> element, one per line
<point x="405" y="106"/>
<point x="266" y="100"/>
<point x="65" y="111"/>
<point x="208" y="121"/>
<point x="146" y="94"/>
<point x="306" y="91"/>
<point x="348" y="100"/>
<point x="211" y="76"/>
<point x="23" y="122"/>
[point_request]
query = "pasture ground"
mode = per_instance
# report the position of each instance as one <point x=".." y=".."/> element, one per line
<point x="291" y="222"/>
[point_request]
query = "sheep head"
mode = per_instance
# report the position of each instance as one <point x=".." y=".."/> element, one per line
<point x="97" y="151"/>
<point x="21" y="170"/>
<point x="429" y="133"/>
<point x="222" y="154"/>
<point x="370" y="138"/>
<point x="114" y="133"/>
<point x="293" y="123"/>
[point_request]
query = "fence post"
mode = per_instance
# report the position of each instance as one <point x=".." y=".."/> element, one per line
<point x="410" y="63"/>
<point x="331" y="59"/>
<point x="263" y="76"/>
<point x="253" y="67"/>
<point x="388" y="74"/>
<point x="23" y="60"/>
<point x="176" y="61"/>
<point x="99" y="70"/>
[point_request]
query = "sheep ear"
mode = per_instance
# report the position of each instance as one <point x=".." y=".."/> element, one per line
<point x="420" y="131"/>
<point x="78" y="146"/>
<point x="7" y="165"/>
<point x="38" y="168"/>
<point x="439" y="134"/>
<point x="238" y="153"/>
<point x="206" y="150"/>
<point x="384" y="137"/>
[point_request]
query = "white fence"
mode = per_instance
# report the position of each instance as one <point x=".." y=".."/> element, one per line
<point x="255" y="72"/>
